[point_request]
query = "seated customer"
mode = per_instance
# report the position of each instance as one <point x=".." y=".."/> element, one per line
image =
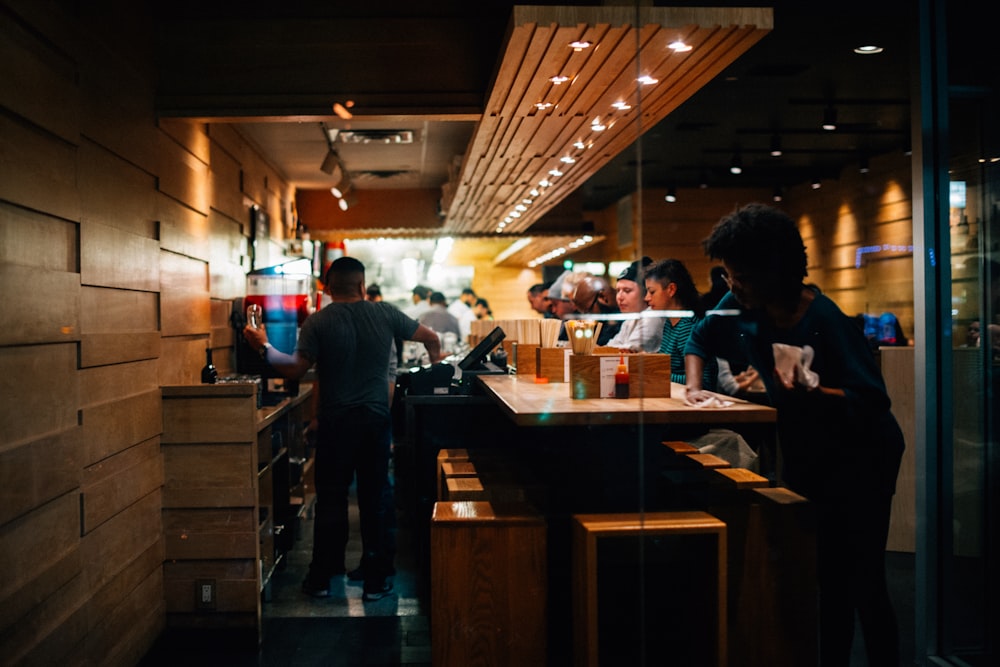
<point x="642" y="334"/>
<point x="593" y="295"/>
<point x="670" y="288"/>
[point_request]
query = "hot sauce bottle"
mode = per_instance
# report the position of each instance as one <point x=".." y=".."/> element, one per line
<point x="621" y="378"/>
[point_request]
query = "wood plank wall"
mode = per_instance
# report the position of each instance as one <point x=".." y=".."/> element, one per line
<point x="122" y="240"/>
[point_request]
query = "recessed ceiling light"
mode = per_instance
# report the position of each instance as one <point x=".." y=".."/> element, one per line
<point x="622" y="106"/>
<point x="543" y="105"/>
<point x="579" y="44"/>
<point x="647" y="80"/>
<point x="679" y="46"/>
<point x="868" y="50"/>
<point x="558" y="79"/>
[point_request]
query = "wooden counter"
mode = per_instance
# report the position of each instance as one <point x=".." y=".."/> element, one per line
<point x="550" y="404"/>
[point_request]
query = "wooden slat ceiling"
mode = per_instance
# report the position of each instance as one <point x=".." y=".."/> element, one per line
<point x="516" y="145"/>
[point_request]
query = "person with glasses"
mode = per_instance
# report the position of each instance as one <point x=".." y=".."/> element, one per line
<point x="840" y="444"/>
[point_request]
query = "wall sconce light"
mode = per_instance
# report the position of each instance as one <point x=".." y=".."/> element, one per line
<point x="830" y="119"/>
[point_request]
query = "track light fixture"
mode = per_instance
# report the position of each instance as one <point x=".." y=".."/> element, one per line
<point x="330" y="162"/>
<point x="830" y="119"/>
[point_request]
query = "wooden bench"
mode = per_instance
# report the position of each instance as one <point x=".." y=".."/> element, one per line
<point x="589" y="529"/>
<point x="489" y="585"/>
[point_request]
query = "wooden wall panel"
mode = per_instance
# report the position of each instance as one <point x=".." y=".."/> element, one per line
<point x="39" y="306"/>
<point x="182" y="230"/>
<point x="38" y="541"/>
<point x="128" y="613"/>
<point x="37" y="587"/>
<point x="32" y="239"/>
<point x="108" y="550"/>
<point x="111" y="427"/>
<point x="181" y="359"/>
<point x="35" y="73"/>
<point x="111" y="257"/>
<point x="227" y="177"/>
<point x="229" y="531"/>
<point x="898" y="370"/>
<point x="33" y="473"/>
<point x="111" y="485"/>
<point x="209" y="475"/>
<point x="106" y="384"/>
<point x="49" y="632"/>
<point x="116" y="193"/>
<point x="37" y="374"/>
<point x="102" y="349"/>
<point x="110" y="311"/>
<point x="38" y="171"/>
<point x="184" y="300"/>
<point x="191" y="134"/>
<point x="236" y="583"/>
<point x="182" y="175"/>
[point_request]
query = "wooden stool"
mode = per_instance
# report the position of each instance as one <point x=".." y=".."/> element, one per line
<point x="589" y="528"/>
<point x="489" y="586"/>
<point x="464" y="488"/>
<point x="451" y="470"/>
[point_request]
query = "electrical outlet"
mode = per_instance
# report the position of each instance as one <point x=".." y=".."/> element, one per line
<point x="204" y="593"/>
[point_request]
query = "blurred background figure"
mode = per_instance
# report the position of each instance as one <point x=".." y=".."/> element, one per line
<point x="482" y="309"/>
<point x="438" y="318"/>
<point x="420" y="297"/>
<point x="538" y="297"/>
<point x="373" y="293"/>
<point x="461" y="308"/>
<point x="717" y="289"/>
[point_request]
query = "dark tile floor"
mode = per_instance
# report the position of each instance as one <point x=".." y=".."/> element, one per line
<point x="341" y="630"/>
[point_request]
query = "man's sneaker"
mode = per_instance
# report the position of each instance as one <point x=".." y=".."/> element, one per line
<point x="316" y="587"/>
<point x="373" y="593"/>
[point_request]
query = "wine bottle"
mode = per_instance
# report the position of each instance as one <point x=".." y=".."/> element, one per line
<point x="208" y="373"/>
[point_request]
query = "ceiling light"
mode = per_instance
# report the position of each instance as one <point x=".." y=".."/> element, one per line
<point x="579" y="44"/>
<point x="335" y="191"/>
<point x="342" y="109"/>
<point x="557" y="80"/>
<point x="776" y="146"/>
<point x="830" y="119"/>
<point x="816" y="185"/>
<point x="868" y="50"/>
<point x="622" y="106"/>
<point x="679" y="46"/>
<point x="671" y="195"/>
<point x="736" y="166"/>
<point x="543" y="105"/>
<point x="647" y="80"/>
<point x="778" y="194"/>
<point x="597" y="126"/>
<point x="567" y="159"/>
<point x="555" y="173"/>
<point x="863" y="165"/>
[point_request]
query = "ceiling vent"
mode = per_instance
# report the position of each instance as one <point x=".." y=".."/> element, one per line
<point x="376" y="136"/>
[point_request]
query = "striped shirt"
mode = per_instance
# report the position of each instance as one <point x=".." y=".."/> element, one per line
<point x="675" y="337"/>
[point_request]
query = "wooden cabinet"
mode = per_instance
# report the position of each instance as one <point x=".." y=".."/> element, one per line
<point x="232" y="496"/>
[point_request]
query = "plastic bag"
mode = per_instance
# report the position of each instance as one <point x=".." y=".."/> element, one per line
<point x="792" y="364"/>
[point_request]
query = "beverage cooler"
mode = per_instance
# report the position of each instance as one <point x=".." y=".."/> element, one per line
<point x="286" y="300"/>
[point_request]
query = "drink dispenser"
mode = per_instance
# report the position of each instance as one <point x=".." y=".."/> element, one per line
<point x="284" y="300"/>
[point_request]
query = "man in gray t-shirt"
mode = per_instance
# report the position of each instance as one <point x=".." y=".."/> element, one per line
<point x="350" y="343"/>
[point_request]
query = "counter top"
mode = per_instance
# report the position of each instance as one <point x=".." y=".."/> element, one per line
<point x="550" y="404"/>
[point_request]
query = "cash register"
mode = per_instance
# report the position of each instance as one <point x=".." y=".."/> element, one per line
<point x="445" y="378"/>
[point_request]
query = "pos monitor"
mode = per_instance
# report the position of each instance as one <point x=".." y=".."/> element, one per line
<point x="476" y="360"/>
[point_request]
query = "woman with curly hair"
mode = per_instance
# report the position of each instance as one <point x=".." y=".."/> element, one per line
<point x="840" y="444"/>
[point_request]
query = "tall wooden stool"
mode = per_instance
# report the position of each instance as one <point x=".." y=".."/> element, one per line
<point x="489" y="586"/>
<point x="590" y="529"/>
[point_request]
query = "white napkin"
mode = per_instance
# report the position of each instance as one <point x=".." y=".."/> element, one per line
<point x="792" y="363"/>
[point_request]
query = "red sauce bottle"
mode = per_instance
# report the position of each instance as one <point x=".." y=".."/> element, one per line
<point x="621" y="378"/>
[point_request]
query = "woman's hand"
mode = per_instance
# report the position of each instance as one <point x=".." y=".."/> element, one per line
<point x="696" y="396"/>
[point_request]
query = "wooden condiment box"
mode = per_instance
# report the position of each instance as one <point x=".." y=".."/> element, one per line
<point x="551" y="363"/>
<point x="649" y="375"/>
<point x="524" y="358"/>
